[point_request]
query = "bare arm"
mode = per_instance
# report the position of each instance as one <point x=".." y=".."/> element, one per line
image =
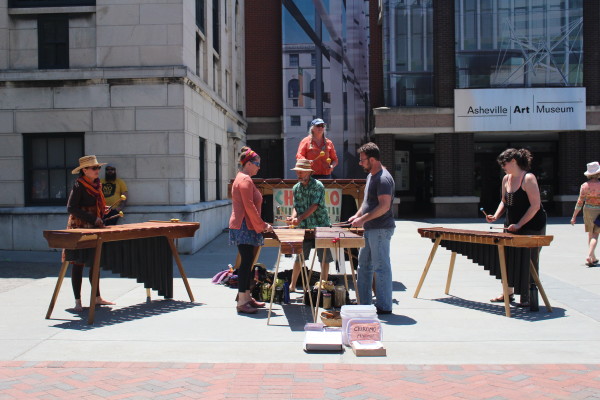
<point x="500" y="210"/>
<point x="385" y="202"/>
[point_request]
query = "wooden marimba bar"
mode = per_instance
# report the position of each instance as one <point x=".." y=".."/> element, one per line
<point x="88" y="244"/>
<point x="489" y="249"/>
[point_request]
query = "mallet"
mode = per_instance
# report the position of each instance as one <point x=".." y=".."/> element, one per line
<point x="122" y="198"/>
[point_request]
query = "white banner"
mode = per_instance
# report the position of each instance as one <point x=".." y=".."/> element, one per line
<point x="519" y="109"/>
<point x="283" y="204"/>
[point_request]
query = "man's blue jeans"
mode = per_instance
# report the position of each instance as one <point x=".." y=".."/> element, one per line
<point x="375" y="257"/>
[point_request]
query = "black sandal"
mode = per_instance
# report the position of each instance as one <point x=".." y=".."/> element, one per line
<point x="500" y="299"/>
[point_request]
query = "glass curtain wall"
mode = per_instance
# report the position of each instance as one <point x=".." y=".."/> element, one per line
<point x="408" y="52"/>
<point x="519" y="43"/>
<point x="325" y="75"/>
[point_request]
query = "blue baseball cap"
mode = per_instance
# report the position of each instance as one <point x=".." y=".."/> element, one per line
<point x="317" y="121"/>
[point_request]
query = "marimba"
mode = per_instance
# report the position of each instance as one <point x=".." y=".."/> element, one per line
<point x="143" y="251"/>
<point x="493" y="250"/>
<point x="290" y="242"/>
<point x="335" y="239"/>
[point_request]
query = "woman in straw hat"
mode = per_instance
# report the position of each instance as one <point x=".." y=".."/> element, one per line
<point x="86" y="207"/>
<point x="589" y="193"/>
<point x="246" y="226"/>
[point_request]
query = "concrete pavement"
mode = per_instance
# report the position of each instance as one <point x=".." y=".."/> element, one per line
<point x="438" y="330"/>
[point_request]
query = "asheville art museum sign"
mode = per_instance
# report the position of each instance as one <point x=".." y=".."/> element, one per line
<point x="522" y="109"/>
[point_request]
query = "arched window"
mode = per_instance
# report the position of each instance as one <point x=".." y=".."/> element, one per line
<point x="293" y="89"/>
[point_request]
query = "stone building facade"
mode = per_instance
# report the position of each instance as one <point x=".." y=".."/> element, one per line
<point x="154" y="87"/>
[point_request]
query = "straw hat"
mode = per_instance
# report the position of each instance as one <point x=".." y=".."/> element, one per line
<point x="87" y="161"/>
<point x="592" y="168"/>
<point x="302" y="165"/>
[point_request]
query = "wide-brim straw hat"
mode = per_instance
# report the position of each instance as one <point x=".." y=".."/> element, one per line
<point x="303" y="165"/>
<point x="593" y="168"/>
<point x="87" y="161"/>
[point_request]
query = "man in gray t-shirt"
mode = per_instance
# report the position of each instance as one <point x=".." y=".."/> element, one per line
<point x="377" y="218"/>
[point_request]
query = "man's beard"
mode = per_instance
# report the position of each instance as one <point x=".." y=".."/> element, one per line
<point x="110" y="177"/>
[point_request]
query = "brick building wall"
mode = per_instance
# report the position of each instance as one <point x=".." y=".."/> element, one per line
<point x="444" y="64"/>
<point x="591" y="51"/>
<point x="386" y="147"/>
<point x="375" y="56"/>
<point x="575" y="150"/>
<point x="454" y="164"/>
<point x="263" y="58"/>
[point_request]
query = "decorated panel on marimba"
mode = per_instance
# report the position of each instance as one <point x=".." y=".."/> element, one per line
<point x="338" y="237"/>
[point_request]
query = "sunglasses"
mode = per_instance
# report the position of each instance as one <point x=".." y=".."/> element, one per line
<point x="257" y="163"/>
<point x="94" y="168"/>
<point x="320" y="126"/>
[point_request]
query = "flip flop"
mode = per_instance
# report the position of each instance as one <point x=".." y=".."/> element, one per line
<point x="500" y="299"/>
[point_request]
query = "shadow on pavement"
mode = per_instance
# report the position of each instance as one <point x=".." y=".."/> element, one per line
<point x="107" y="316"/>
<point x="31" y="270"/>
<point x="515" y="312"/>
<point x="396" y="319"/>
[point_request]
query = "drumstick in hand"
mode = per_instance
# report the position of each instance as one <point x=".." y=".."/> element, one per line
<point x="122" y="198"/>
<point x="484" y="214"/>
<point x="119" y="215"/>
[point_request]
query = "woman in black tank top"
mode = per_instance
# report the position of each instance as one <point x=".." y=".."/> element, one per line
<point x="524" y="212"/>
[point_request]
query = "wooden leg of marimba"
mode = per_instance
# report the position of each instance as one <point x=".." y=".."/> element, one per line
<point x="450" y="271"/>
<point x="181" y="270"/>
<point x="61" y="276"/>
<point x="306" y="282"/>
<point x="349" y="251"/>
<point x="537" y="281"/>
<point x="316" y="311"/>
<point x="95" y="281"/>
<point x="504" y="282"/>
<point x="429" y="261"/>
<point x="148" y="294"/>
<point x="273" y="286"/>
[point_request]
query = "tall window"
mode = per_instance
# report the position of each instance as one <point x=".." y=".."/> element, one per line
<point x="202" y="159"/>
<point x="408" y="45"/>
<point x="49" y="160"/>
<point x="519" y="43"/>
<point x="200" y="15"/>
<point x="53" y="41"/>
<point x="218" y="174"/>
<point x="293" y="89"/>
<point x="295" y="120"/>
<point x="216" y="25"/>
<point x="294" y="60"/>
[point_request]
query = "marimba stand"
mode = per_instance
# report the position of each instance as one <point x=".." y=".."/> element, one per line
<point x="94" y="238"/>
<point x="336" y="239"/>
<point x="449" y="234"/>
<point x="289" y="242"/>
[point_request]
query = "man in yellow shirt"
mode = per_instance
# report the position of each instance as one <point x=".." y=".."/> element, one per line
<point x="113" y="188"/>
